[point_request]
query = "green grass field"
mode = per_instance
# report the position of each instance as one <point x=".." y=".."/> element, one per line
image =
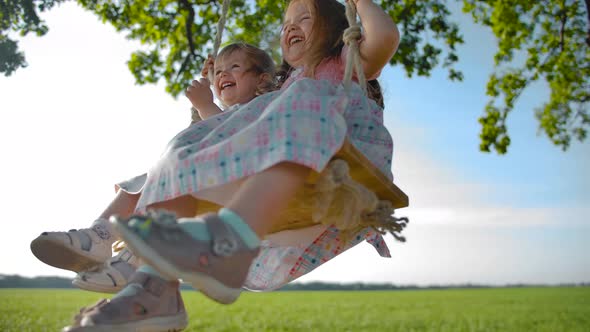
<point x="512" y="309"/>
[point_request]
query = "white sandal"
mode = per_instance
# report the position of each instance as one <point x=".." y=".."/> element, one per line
<point x="64" y="249"/>
<point x="110" y="277"/>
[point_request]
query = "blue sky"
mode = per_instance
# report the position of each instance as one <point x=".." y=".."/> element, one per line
<point x="73" y="123"/>
<point x="538" y="173"/>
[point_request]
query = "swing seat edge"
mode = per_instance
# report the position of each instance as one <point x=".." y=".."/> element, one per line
<point x="363" y="171"/>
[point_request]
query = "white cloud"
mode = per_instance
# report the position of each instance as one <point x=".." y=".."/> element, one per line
<point x="500" y="216"/>
<point x="460" y="254"/>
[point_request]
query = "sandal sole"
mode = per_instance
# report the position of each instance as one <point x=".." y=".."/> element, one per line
<point x="205" y="284"/>
<point x="156" y="324"/>
<point x="99" y="288"/>
<point x="54" y="253"/>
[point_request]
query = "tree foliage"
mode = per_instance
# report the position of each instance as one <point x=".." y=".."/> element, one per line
<point x="537" y="40"/>
<point x="21" y="17"/>
<point x="176" y="36"/>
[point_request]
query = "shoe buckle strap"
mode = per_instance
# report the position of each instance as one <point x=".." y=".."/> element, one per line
<point x="223" y="239"/>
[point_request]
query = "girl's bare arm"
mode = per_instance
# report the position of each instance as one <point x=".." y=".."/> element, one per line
<point x="381" y="36"/>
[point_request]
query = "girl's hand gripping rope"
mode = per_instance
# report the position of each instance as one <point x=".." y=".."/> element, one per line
<point x="199" y="92"/>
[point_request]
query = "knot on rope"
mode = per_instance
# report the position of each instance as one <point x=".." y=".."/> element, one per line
<point x="337" y="173"/>
<point x="335" y="198"/>
<point x="341" y="201"/>
<point x="352" y="34"/>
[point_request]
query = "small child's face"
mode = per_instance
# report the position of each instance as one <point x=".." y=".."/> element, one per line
<point x="235" y="82"/>
<point x="296" y="32"/>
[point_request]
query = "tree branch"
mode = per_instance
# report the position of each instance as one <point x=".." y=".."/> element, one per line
<point x="189" y="35"/>
<point x="563" y="23"/>
<point x="588" y="15"/>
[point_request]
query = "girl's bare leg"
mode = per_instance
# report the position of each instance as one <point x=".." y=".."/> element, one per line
<point x="259" y="200"/>
<point x="263" y="196"/>
<point x="183" y="206"/>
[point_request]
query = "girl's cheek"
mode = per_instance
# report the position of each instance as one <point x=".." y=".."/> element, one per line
<point x="283" y="41"/>
<point x="217" y="92"/>
<point x="215" y="86"/>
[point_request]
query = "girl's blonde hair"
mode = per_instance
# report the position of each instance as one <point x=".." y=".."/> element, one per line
<point x="260" y="61"/>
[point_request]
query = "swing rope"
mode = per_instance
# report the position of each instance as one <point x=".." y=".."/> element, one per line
<point x="352" y="36"/>
<point x="195" y="117"/>
<point x="219" y="34"/>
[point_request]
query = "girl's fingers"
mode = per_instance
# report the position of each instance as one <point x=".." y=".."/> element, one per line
<point x="203" y="82"/>
<point x="208" y="65"/>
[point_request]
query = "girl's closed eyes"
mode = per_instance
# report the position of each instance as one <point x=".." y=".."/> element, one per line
<point x="234" y="67"/>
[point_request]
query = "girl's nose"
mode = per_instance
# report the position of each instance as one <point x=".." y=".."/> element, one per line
<point x="288" y="27"/>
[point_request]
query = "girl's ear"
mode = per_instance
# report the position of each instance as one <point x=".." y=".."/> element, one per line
<point x="264" y="77"/>
<point x="265" y="84"/>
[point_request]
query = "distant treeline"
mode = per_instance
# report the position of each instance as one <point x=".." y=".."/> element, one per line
<point x="16" y="281"/>
<point x="312" y="286"/>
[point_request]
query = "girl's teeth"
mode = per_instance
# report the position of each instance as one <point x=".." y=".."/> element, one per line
<point x="295" y="40"/>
